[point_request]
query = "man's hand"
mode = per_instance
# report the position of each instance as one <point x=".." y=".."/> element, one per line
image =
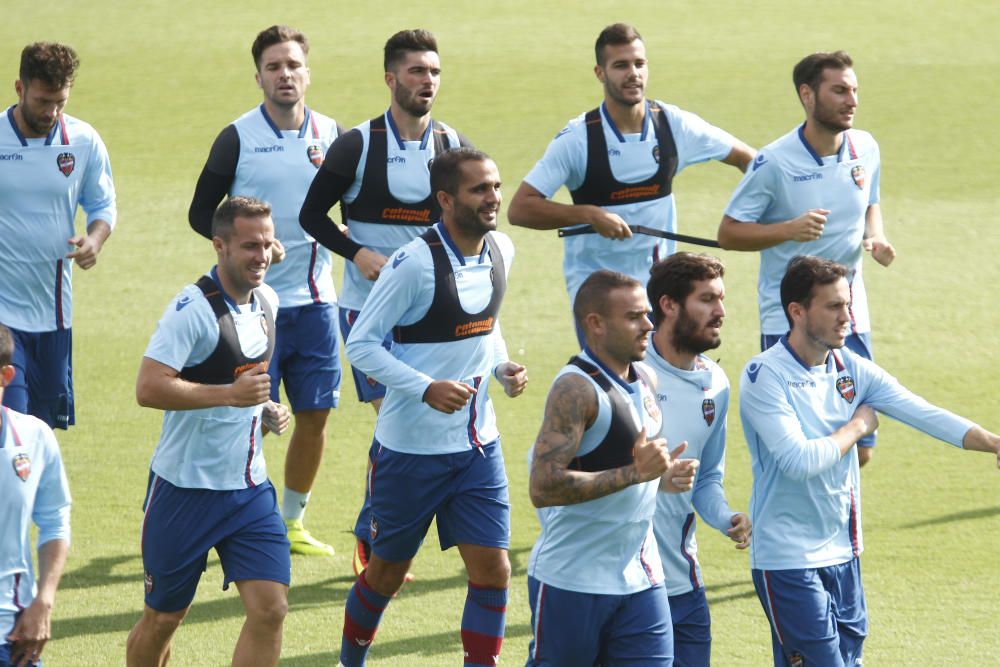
<point x="808" y="226"/>
<point x="276" y="417"/>
<point x="880" y="248"/>
<point x="277" y="252"/>
<point x="369" y="263"/>
<point x="608" y="225"/>
<point x="448" y="396"/>
<point x="513" y="377"/>
<point x="87" y="249"/>
<point x="679" y="475"/>
<point x="251" y="388"/>
<point x="651" y="458"/>
<point x="740" y="532"/>
<point x="867" y="419"/>
<point x="30" y="633"/>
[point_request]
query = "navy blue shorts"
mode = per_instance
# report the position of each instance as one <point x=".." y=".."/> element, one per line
<point x="692" y="629"/>
<point x="858" y="343"/>
<point x="570" y="629"/>
<point x="368" y="387"/>
<point x="818" y="616"/>
<point x="182" y="525"/>
<point x="466" y="492"/>
<point x="307" y="357"/>
<point x="43" y="384"/>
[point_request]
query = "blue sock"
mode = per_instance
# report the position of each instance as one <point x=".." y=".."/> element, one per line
<point x="362" y="614"/>
<point x="483" y="624"/>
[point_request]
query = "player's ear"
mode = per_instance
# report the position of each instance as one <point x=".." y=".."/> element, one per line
<point x="256" y="78"/>
<point x="599" y="73"/>
<point x="7" y="373"/>
<point x="444" y="200"/>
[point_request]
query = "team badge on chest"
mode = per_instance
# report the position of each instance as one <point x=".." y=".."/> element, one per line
<point x="315" y="155"/>
<point x="22" y="466"/>
<point x="708" y="410"/>
<point x="652" y="409"/>
<point x="858" y="174"/>
<point x="845" y="385"/>
<point x="66" y="163"/>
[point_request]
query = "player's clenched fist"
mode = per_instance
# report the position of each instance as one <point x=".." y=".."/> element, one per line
<point x="680" y="475"/>
<point x="808" y="226"/>
<point x="608" y="225"/>
<point x="448" y="396"/>
<point x="251" y="388"/>
<point x="276" y="417"/>
<point x="651" y="458"/>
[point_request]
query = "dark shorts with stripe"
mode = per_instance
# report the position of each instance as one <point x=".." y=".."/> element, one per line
<point x="43" y="383"/>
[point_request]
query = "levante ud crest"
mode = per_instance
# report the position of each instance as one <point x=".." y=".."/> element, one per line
<point x="315" y="154"/>
<point x="708" y="410"/>
<point x="22" y="466"/>
<point x="66" y="163"/>
<point x="845" y="385"/>
<point x="858" y="174"/>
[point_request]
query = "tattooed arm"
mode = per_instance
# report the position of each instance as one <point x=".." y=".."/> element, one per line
<point x="570" y="409"/>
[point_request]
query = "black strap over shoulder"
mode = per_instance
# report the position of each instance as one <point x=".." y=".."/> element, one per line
<point x="615" y="450"/>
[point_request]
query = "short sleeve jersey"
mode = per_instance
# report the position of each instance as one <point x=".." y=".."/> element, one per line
<point x="786" y="179"/>
<point x="42" y="182"/>
<point x="217" y="448"/>
<point x="33" y="489"/>
<point x="633" y="158"/>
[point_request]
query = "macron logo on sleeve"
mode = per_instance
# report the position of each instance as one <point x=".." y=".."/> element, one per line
<point x="759" y="161"/>
<point x="752" y="371"/>
<point x="398" y="259"/>
<point x="183" y="301"/>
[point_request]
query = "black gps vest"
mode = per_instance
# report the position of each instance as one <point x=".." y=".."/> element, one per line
<point x="445" y="320"/>
<point x="227" y="362"/>
<point x="601" y="188"/>
<point x="615" y="450"/>
<point x="375" y="202"/>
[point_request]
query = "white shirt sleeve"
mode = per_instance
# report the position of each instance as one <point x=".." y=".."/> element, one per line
<point x="697" y="140"/>
<point x="709" y="497"/>
<point x="181" y="338"/>
<point x="756" y="191"/>
<point x="52" y="501"/>
<point x="97" y="195"/>
<point x="564" y="163"/>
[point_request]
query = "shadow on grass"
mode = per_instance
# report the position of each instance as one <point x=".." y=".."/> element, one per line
<point x="415" y="647"/>
<point x="98" y="572"/>
<point x="969" y="515"/>
<point x="712" y="592"/>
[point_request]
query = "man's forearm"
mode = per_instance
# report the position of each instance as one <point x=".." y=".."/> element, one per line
<point x="51" y="561"/>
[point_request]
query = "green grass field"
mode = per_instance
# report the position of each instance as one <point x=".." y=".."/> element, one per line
<point x="161" y="78"/>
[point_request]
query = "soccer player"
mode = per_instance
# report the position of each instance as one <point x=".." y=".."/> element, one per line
<point x="50" y="164"/>
<point x="379" y="172"/>
<point x="33" y="489"/>
<point x="206" y="367"/>
<point x="618" y="162"/>
<point x="686" y="291"/>
<point x="814" y="191"/>
<point x="804" y="403"/>
<point x="595" y="581"/>
<point x="436" y="451"/>
<point x="272" y="153"/>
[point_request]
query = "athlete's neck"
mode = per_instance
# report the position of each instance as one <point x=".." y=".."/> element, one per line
<point x="680" y="359"/>
<point x="613" y="364"/>
<point x="286" y="118"/>
<point x="410" y="127"/>
<point x="822" y="140"/>
<point x="468" y="245"/>
<point x="26" y="131"/>
<point x="628" y="118"/>
<point x="809" y="351"/>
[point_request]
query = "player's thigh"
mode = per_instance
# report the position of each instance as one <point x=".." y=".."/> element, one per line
<point x="801" y="614"/>
<point x="368" y="388"/>
<point x="692" y="626"/>
<point x="255" y="545"/>
<point x="179" y="528"/>
<point x="406" y="491"/>
<point x="478" y="511"/>
<point x="640" y="634"/>
<point x="566" y="626"/>
<point x="310" y="358"/>
<point x="849" y="606"/>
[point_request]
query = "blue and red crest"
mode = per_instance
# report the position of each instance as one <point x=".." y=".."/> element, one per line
<point x="708" y="410"/>
<point x="66" y="163"/>
<point x="858" y="174"/>
<point x="315" y="154"/>
<point x="845" y="385"/>
<point x="22" y="466"/>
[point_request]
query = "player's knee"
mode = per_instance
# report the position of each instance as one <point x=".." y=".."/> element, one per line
<point x="159" y="626"/>
<point x="497" y="573"/>
<point x="269" y="613"/>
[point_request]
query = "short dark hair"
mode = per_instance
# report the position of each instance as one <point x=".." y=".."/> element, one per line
<point x="617" y="34"/>
<point x="6" y="346"/>
<point x="592" y="297"/>
<point x="404" y="42"/>
<point x="810" y="69"/>
<point x="50" y="63"/>
<point x="803" y="275"/>
<point x="237" y="207"/>
<point x="675" y="276"/>
<point x="446" y="171"/>
<point x="277" y="34"/>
